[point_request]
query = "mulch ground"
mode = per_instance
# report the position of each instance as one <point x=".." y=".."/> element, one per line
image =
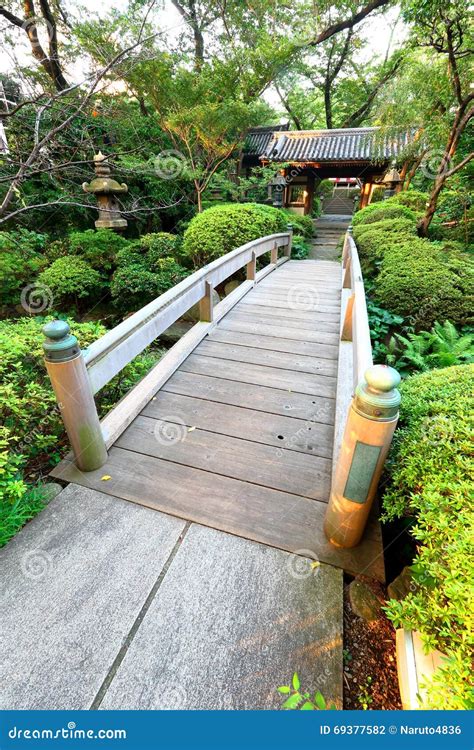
<point x="370" y="668"/>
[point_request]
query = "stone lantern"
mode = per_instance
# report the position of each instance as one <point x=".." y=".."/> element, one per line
<point x="391" y="181"/>
<point x="277" y="186"/>
<point x="105" y="188"/>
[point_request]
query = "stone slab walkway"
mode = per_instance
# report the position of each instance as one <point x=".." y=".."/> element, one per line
<point x="107" y="604"/>
<point x="328" y="228"/>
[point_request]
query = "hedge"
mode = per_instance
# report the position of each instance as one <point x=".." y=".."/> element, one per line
<point x="380" y="211"/>
<point x="425" y="282"/>
<point x="220" y="229"/>
<point x="71" y="281"/>
<point x="430" y="479"/>
<point x="374" y="239"/>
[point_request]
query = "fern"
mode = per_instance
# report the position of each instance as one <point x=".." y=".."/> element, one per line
<point x="443" y="346"/>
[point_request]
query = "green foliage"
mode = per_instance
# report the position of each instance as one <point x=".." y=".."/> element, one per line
<point x="430" y="477"/>
<point x="20" y="261"/>
<point x="444" y="346"/>
<point x="324" y="189"/>
<point x="301" y="224"/>
<point x="71" y="280"/>
<point x="414" y="199"/>
<point x="146" y="269"/>
<point x="98" y="247"/>
<point x="365" y="696"/>
<point x="32" y="436"/>
<point x="425" y="282"/>
<point x="381" y="323"/>
<point x="373" y="240"/>
<point x="220" y="229"/>
<point x="379" y="211"/>
<point x="300" y="248"/>
<point x="297" y="700"/>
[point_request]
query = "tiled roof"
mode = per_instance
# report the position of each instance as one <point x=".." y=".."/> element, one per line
<point x="345" y="144"/>
<point x="258" y="139"/>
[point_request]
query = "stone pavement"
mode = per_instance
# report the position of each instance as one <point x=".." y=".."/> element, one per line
<point x="329" y="228"/>
<point x="107" y="604"/>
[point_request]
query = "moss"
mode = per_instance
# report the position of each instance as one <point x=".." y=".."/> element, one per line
<point x="374" y="239"/>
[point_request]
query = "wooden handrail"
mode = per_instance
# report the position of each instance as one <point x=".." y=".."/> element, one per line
<point x="355" y="318"/>
<point x="112" y="352"/>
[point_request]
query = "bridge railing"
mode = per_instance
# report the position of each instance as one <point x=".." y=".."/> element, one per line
<point x="76" y="376"/>
<point x="367" y="402"/>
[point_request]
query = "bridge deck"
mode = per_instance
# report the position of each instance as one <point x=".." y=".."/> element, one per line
<point x="240" y="437"/>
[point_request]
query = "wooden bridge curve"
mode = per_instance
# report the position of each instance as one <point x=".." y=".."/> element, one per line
<point x="235" y="427"/>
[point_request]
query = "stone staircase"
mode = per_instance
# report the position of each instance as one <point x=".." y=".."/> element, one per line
<point x="328" y="231"/>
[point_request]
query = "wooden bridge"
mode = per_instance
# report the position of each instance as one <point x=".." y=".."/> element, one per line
<point x="238" y="425"/>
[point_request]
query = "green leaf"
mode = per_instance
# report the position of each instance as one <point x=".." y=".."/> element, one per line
<point x="319" y="700"/>
<point x="293" y="701"/>
<point x="296" y="681"/>
<point x="308" y="706"/>
<point x="284" y="689"/>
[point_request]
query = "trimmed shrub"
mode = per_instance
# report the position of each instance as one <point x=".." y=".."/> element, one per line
<point x="20" y="261"/>
<point x="430" y="479"/>
<point x="220" y="229"/>
<point x="71" y="280"/>
<point x="374" y="239"/>
<point x="414" y="199"/>
<point x="380" y="211"/>
<point x="98" y="247"/>
<point x="303" y="225"/>
<point x="300" y="248"/>
<point x="139" y="280"/>
<point x="419" y="280"/>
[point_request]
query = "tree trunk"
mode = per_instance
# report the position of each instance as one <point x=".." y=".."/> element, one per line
<point x="328" y="104"/>
<point x="431" y="208"/>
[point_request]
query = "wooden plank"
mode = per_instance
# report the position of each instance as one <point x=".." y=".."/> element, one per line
<point x="277" y="319"/>
<point x="315" y="385"/>
<point x="281" y="311"/>
<point x="319" y="308"/>
<point x="262" y="329"/>
<point x="274" y="343"/>
<point x="267" y="357"/>
<point x="117" y="420"/>
<point x="268" y="516"/>
<point x="260" y="398"/>
<point x="305" y="436"/>
<point x="282" y="294"/>
<point x="285" y="470"/>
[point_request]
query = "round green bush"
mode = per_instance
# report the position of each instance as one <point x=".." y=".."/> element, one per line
<point x="98" y="247"/>
<point x="159" y="245"/>
<point x="220" y="229"/>
<point x="134" y="284"/>
<point x="20" y="262"/>
<point x="430" y="479"/>
<point x="374" y="239"/>
<point x="302" y="225"/>
<point x="419" y="280"/>
<point x="380" y="211"/>
<point x="70" y="280"/>
<point x="414" y="199"/>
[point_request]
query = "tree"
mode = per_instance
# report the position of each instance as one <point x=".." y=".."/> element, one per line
<point x="445" y="27"/>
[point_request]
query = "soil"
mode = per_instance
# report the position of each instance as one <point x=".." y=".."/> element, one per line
<point x="370" y="667"/>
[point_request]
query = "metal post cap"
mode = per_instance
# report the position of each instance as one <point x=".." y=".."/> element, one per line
<point x="289" y="226"/>
<point x="60" y="344"/>
<point x="377" y="396"/>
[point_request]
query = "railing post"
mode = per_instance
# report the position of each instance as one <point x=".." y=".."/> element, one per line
<point x="370" y="425"/>
<point x="252" y="267"/>
<point x="274" y="253"/>
<point x="67" y="371"/>
<point x="287" y="251"/>
<point x="206" y="306"/>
